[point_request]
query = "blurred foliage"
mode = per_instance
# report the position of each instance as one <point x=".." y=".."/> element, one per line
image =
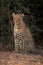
<point x="33" y="18"/>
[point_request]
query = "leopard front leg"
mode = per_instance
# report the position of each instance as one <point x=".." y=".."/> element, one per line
<point x="16" y="41"/>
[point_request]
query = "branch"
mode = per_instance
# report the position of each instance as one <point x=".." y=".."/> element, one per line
<point x="36" y="28"/>
<point x="19" y="5"/>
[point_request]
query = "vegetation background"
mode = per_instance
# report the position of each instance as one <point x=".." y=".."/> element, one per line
<point x="33" y="11"/>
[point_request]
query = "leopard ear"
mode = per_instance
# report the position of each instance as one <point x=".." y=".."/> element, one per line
<point x="22" y="14"/>
<point x="13" y="14"/>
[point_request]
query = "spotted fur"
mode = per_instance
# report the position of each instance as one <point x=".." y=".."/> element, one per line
<point x="22" y="36"/>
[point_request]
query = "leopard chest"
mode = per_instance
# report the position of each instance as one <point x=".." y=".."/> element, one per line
<point x="19" y="34"/>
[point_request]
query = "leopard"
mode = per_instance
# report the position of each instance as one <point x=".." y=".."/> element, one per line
<point x="23" y="39"/>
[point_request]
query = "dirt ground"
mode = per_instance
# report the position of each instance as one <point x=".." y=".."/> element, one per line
<point x="12" y="58"/>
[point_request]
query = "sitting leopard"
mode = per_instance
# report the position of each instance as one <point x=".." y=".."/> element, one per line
<point x="22" y="36"/>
